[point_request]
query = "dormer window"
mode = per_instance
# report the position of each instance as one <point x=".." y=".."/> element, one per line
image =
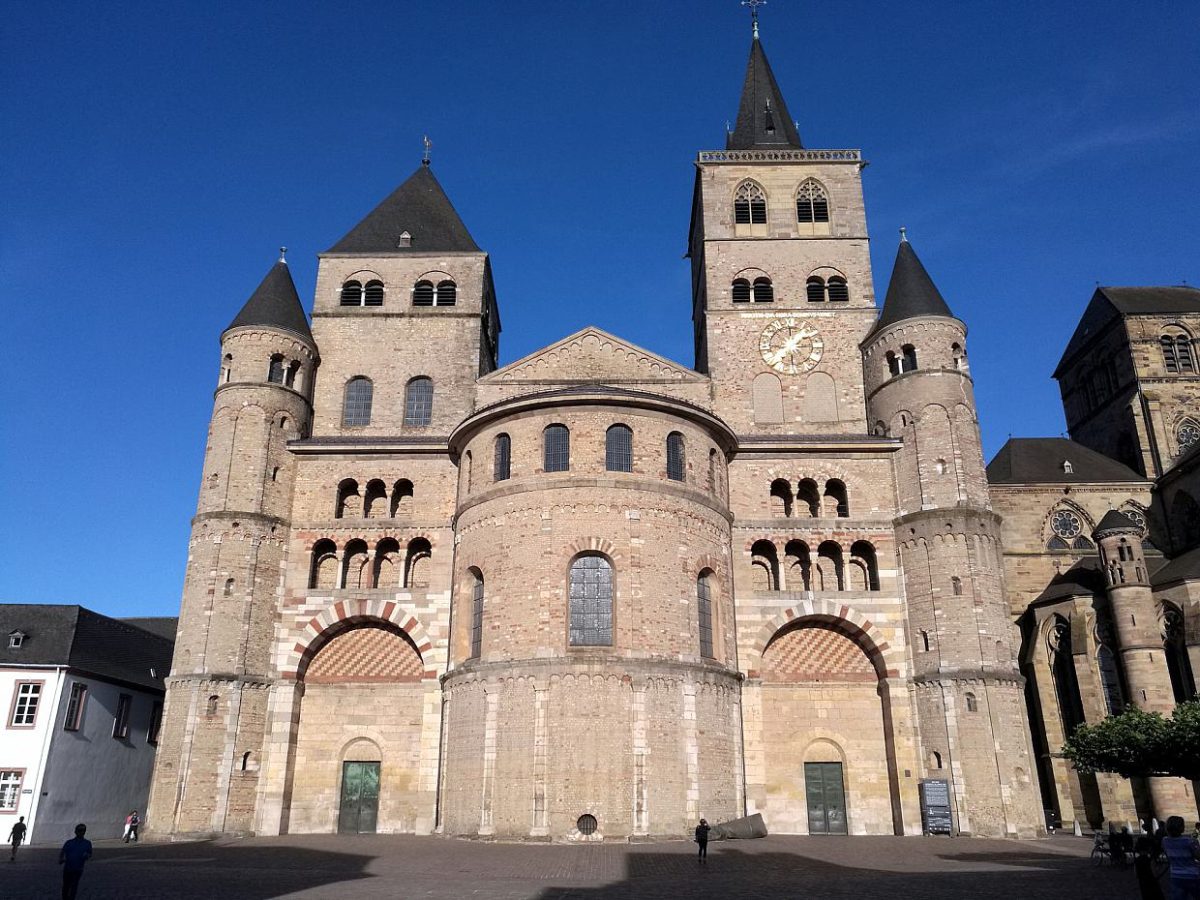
<point x="1067" y="467"/>
<point x="16" y="639"/>
<point x="405" y="240"/>
<point x="768" y="119"/>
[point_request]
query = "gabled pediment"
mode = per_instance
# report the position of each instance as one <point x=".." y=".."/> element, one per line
<point x="594" y="356"/>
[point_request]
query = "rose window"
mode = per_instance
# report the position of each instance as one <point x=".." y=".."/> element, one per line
<point x="1066" y="524"/>
<point x="1189" y="434"/>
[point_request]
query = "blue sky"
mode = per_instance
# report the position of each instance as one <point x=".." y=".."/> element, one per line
<point x="156" y="155"/>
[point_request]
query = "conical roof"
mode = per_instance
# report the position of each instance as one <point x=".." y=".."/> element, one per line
<point x="1116" y="521"/>
<point x="275" y="304"/>
<point x="763" y="120"/>
<point x="911" y="292"/>
<point x="420" y="208"/>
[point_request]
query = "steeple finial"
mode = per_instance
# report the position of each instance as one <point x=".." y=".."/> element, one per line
<point x="903" y="235"/>
<point x="754" y="5"/>
<point x="428" y="150"/>
<point x="283" y="255"/>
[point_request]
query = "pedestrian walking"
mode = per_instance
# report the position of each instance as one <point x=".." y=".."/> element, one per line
<point x="132" y="821"/>
<point x="17" y="835"/>
<point x="702" y="839"/>
<point x="1183" y="855"/>
<point x="71" y="857"/>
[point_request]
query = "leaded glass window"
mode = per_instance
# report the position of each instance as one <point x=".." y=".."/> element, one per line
<point x="477" y="618"/>
<point x="618" y="449"/>
<point x="675" y="461"/>
<point x="556" y="455"/>
<point x="418" y="401"/>
<point x="502" y="467"/>
<point x="591" y="595"/>
<point x="704" y="613"/>
<point x="357" y="408"/>
<point x="1066" y="524"/>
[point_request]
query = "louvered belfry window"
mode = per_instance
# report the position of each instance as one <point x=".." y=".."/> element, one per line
<point x="741" y="291"/>
<point x="839" y="291"/>
<point x="423" y="293"/>
<point x="1177" y="354"/>
<point x="373" y="294"/>
<point x="618" y="449"/>
<point x="812" y="203"/>
<point x="764" y="291"/>
<point x="591" y="599"/>
<point x="675" y="462"/>
<point x="502" y="467"/>
<point x="556" y="456"/>
<point x="418" y="401"/>
<point x="750" y="205"/>
<point x="447" y="293"/>
<point x="351" y="293"/>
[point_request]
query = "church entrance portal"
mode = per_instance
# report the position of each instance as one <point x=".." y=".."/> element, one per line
<point x="826" y="796"/>
<point x="359" y="809"/>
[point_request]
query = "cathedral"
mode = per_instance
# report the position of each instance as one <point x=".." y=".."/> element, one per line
<point x="596" y="594"/>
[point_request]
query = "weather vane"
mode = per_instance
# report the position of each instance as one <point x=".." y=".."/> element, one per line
<point x="754" y="5"/>
<point x="428" y="149"/>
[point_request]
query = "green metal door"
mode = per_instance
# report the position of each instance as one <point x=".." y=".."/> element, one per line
<point x="826" y="795"/>
<point x="359" y="809"/>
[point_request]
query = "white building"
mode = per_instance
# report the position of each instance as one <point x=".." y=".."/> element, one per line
<point x="82" y="698"/>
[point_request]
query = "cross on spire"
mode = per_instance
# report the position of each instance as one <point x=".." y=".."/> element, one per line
<point x="754" y="5"/>
<point x="428" y="144"/>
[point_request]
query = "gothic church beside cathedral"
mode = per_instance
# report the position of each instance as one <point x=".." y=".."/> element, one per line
<point x="597" y="594"/>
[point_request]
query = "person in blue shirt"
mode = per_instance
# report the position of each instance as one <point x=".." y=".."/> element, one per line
<point x="1183" y="853"/>
<point x="71" y="857"/>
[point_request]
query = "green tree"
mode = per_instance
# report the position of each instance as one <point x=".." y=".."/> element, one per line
<point x="1140" y="744"/>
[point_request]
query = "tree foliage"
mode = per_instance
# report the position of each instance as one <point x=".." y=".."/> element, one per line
<point x="1140" y="744"/>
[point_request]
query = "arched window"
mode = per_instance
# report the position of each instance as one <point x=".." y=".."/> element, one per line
<point x="764" y="566"/>
<point x="750" y="209"/>
<point x="958" y="356"/>
<point x="418" y="401"/>
<point x="293" y="370"/>
<point x="766" y="395"/>
<point x="228" y="587"/>
<point x="839" y="291"/>
<point x="356" y="410"/>
<point x="830" y="566"/>
<point x="809" y="497"/>
<point x="416" y="564"/>
<point x="909" y="362"/>
<point x="763" y="290"/>
<point x="556" y="449"/>
<point x="815" y="289"/>
<point x="862" y="556"/>
<point x="375" y="500"/>
<point x="590" y="593"/>
<point x="923" y="637"/>
<point x="423" y="293"/>
<point x="675" y="460"/>
<point x="812" y="207"/>
<point x="704" y="613"/>
<point x="618" y="449"/>
<point x="956" y="585"/>
<point x="837" y="500"/>
<point x="275" y="370"/>
<point x="349" y="503"/>
<point x="1062" y="667"/>
<point x="781" y="498"/>
<point x="355" y="573"/>
<point x="476" y="614"/>
<point x="447" y="294"/>
<point x="1188" y="433"/>
<point x="387" y="564"/>
<point x="227" y="368"/>
<point x="935" y="759"/>
<point x="373" y="294"/>
<point x="797" y="566"/>
<point x="713" y="471"/>
<point x="972" y="703"/>
<point x="323" y="571"/>
<point x="741" y="290"/>
<point x="502" y="461"/>
<point x="352" y="292"/>
<point x="1179" y="666"/>
<point x="210" y="709"/>
<point x="466" y="470"/>
<point x="1177" y="353"/>
<point x="246" y="757"/>
<point x="402" y="498"/>
<point x="893" y="362"/>
<point x="1110" y="681"/>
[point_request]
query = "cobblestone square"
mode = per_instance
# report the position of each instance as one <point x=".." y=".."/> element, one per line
<point x="434" y="868"/>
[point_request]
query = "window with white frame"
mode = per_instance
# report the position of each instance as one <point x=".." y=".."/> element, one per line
<point x="25" y="704"/>
<point x="10" y="788"/>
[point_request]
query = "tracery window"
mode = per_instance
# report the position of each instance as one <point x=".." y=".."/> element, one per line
<point x="812" y="203"/>
<point x="1110" y="680"/>
<point x="618" y="449"/>
<point x="704" y="614"/>
<point x="1177" y="353"/>
<point x="356" y="409"/>
<point x="750" y="209"/>
<point x="590" y="596"/>
<point x="418" y="401"/>
<point x="1188" y="434"/>
<point x="1067" y="532"/>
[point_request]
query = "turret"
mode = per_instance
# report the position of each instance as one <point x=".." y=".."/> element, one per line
<point x="237" y="551"/>
<point x="969" y="693"/>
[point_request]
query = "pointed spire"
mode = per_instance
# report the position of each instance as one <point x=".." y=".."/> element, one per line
<point x="762" y="120"/>
<point x="420" y="208"/>
<point x="911" y="292"/>
<point x="275" y="304"/>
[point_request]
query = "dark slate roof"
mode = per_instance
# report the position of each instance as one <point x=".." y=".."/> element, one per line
<point x="1116" y="521"/>
<point x="911" y="292"/>
<point x="761" y="93"/>
<point x="1109" y="303"/>
<point x="1039" y="461"/>
<point x="1083" y="578"/>
<point x="67" y="635"/>
<point x="1184" y="566"/>
<point x="275" y="304"/>
<point x="420" y="207"/>
<point x="163" y="626"/>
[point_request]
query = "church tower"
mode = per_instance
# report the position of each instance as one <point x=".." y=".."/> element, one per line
<point x="781" y="276"/>
<point x="971" y="713"/>
<point x="216" y="704"/>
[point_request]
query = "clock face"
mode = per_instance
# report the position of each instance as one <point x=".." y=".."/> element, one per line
<point x="790" y="345"/>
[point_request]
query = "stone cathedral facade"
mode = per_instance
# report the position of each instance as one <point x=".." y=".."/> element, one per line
<point x="594" y="593"/>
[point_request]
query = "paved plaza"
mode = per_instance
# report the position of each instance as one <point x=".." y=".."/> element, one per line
<point x="433" y="868"/>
